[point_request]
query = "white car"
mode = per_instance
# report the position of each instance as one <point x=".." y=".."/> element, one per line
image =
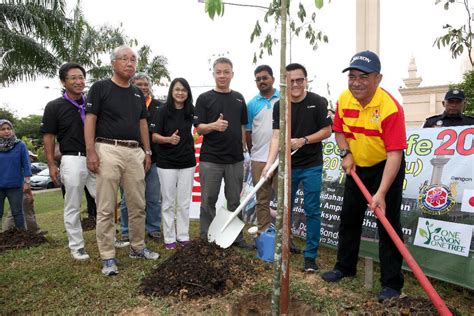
<point x="42" y="180"/>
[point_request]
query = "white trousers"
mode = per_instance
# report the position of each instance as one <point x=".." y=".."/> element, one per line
<point x="176" y="190"/>
<point x="74" y="176"/>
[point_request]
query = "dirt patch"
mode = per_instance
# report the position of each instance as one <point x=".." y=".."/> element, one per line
<point x="88" y="223"/>
<point x="408" y="305"/>
<point x="261" y="304"/>
<point x="200" y="269"/>
<point x="17" y="239"/>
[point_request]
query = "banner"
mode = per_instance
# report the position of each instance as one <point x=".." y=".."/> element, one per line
<point x="437" y="211"/>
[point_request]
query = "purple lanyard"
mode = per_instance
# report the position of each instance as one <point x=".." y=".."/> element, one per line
<point x="82" y="108"/>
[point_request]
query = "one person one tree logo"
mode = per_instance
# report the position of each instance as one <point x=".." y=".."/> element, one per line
<point x="428" y="233"/>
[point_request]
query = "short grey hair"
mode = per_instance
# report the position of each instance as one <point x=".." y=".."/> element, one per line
<point x="114" y="53"/>
<point x="222" y="60"/>
<point x="140" y="76"/>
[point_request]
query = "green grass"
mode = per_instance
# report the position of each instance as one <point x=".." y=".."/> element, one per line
<point x="45" y="279"/>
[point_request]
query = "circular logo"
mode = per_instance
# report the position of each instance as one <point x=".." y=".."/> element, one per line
<point x="436" y="199"/>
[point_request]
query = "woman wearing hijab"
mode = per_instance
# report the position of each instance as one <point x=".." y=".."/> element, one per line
<point x="175" y="161"/>
<point x="16" y="172"/>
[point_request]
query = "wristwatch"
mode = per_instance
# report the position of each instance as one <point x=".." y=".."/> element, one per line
<point x="344" y="152"/>
<point x="306" y="140"/>
<point x="148" y="152"/>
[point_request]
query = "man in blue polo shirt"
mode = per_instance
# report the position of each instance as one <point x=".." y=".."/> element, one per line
<point x="259" y="136"/>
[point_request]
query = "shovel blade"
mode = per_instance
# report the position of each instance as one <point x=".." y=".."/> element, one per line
<point x="224" y="237"/>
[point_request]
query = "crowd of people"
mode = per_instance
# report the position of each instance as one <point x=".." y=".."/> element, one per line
<point x="119" y="137"/>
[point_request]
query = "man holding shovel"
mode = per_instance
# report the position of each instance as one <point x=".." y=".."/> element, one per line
<point x="370" y="132"/>
<point x="310" y="124"/>
<point x="220" y="116"/>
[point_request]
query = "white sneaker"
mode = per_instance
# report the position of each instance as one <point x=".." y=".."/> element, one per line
<point x="143" y="254"/>
<point x="109" y="267"/>
<point x="121" y="243"/>
<point x="80" y="254"/>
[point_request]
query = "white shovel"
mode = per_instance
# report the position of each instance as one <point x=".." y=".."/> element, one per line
<point x="226" y="226"/>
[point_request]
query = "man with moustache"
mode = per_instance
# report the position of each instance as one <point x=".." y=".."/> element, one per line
<point x="118" y="151"/>
<point x="63" y="119"/>
<point x="452" y="116"/>
<point x="221" y="116"/>
<point x="259" y="136"/>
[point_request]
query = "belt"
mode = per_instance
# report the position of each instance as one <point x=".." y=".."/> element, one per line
<point x="118" y="142"/>
<point x="73" y="153"/>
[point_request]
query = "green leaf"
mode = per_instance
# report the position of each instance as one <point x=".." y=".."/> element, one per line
<point x="319" y="3"/>
<point x="423" y="233"/>
<point x="437" y="230"/>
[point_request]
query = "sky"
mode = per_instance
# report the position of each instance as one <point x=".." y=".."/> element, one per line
<point x="181" y="31"/>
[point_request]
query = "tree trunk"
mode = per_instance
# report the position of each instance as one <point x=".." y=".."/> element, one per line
<point x="282" y="204"/>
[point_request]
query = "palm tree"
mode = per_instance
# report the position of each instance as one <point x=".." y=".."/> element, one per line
<point x="31" y="34"/>
<point x="155" y="68"/>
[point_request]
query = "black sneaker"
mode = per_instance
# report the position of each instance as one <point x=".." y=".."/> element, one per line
<point x="294" y="249"/>
<point x="310" y="264"/>
<point x="387" y="293"/>
<point x="334" y="275"/>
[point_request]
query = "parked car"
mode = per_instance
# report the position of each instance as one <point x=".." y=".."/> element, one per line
<point x="37" y="167"/>
<point x="42" y="180"/>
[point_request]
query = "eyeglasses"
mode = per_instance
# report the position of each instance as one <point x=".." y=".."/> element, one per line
<point x="127" y="60"/>
<point x="262" y="78"/>
<point x="298" y="81"/>
<point x="80" y="78"/>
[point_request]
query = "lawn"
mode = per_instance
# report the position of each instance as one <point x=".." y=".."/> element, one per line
<point x="46" y="279"/>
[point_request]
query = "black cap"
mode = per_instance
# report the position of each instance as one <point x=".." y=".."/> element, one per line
<point x="454" y="94"/>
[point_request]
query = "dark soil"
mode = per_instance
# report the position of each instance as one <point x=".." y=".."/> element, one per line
<point x="17" y="239"/>
<point x="88" y="223"/>
<point x="200" y="269"/>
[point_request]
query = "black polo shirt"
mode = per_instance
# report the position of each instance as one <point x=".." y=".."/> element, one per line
<point x="165" y="122"/>
<point x="119" y="110"/>
<point x="152" y="109"/>
<point x="443" y="120"/>
<point x="63" y="119"/>
<point x="307" y="117"/>
<point x="222" y="147"/>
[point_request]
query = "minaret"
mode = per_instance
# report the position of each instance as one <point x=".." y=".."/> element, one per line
<point x="412" y="81"/>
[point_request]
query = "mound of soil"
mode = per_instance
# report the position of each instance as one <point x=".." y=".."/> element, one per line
<point x="408" y="305"/>
<point x="197" y="270"/>
<point x="88" y="223"/>
<point x="17" y="239"/>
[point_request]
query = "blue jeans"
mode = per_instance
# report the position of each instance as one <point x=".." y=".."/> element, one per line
<point x="15" y="198"/>
<point x="152" y="207"/>
<point x="311" y="178"/>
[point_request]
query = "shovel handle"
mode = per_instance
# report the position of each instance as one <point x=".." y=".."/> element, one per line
<point x="252" y="192"/>
<point x="425" y="283"/>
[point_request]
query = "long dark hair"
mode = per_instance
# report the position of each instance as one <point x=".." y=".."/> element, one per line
<point x="188" y="103"/>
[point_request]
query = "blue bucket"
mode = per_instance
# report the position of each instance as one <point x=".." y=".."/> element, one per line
<point x="265" y="243"/>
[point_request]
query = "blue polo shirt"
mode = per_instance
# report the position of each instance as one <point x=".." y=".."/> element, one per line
<point x="260" y="111"/>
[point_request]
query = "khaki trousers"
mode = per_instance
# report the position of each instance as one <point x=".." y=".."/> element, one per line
<point x="262" y="209"/>
<point x="120" y="165"/>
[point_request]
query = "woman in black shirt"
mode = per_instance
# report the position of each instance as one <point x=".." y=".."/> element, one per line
<point x="175" y="161"/>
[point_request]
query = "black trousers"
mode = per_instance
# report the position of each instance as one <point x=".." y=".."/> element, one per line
<point x="352" y="216"/>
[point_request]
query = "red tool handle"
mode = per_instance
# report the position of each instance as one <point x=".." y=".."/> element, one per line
<point x="425" y="283"/>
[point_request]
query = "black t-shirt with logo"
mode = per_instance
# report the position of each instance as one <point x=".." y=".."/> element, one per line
<point x="119" y="110"/>
<point x="222" y="147"/>
<point x="165" y="122"/>
<point x="307" y="117"/>
<point x="63" y="119"/>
